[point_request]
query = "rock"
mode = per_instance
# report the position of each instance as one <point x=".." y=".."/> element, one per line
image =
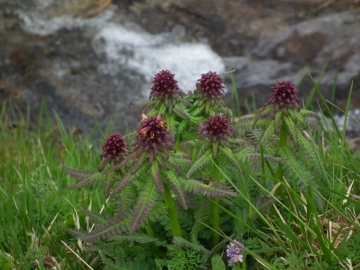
<point x="90" y="69"/>
<point x="94" y="60"/>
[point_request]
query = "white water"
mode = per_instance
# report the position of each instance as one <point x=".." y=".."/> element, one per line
<point x="129" y="47"/>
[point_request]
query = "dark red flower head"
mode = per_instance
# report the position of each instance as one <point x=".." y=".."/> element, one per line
<point x="113" y="148"/>
<point x="217" y="127"/>
<point x="153" y="136"/>
<point x="283" y="96"/>
<point x="165" y="86"/>
<point x="210" y="86"/>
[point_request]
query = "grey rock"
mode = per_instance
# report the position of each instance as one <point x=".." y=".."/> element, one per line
<point x="94" y="61"/>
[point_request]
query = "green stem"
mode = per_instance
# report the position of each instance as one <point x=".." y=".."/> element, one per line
<point x="216" y="210"/>
<point x="279" y="172"/>
<point x="149" y="230"/>
<point x="282" y="142"/>
<point x="170" y="205"/>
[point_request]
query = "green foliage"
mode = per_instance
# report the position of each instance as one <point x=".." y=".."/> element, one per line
<point x="184" y="258"/>
<point x="288" y="189"/>
<point x="217" y="263"/>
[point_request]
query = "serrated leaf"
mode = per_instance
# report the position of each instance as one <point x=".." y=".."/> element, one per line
<point x="314" y="160"/>
<point x="95" y="217"/>
<point x="201" y="216"/>
<point x="116" y="225"/>
<point x="292" y="130"/>
<point x="293" y="166"/>
<point x="181" y="242"/>
<point x="307" y="113"/>
<point x="138" y="238"/>
<point x="177" y="187"/>
<point x="145" y="203"/>
<point x="200" y="163"/>
<point x="127" y="198"/>
<point x="155" y="176"/>
<point x="84" y="178"/>
<point x="211" y="190"/>
<point x="227" y="152"/>
<point x="123" y="182"/>
<point x="278" y="116"/>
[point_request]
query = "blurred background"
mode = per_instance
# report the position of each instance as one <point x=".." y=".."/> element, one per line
<point x="93" y="60"/>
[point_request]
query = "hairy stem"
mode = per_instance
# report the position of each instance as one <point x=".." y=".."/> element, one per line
<point x="216" y="210"/>
<point x="170" y="205"/>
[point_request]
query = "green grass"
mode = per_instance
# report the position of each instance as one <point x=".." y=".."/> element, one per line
<point x="36" y="207"/>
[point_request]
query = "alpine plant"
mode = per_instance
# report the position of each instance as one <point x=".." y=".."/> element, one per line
<point x="113" y="149"/>
<point x="166" y="97"/>
<point x="208" y="96"/>
<point x="283" y="117"/>
<point x="284" y="109"/>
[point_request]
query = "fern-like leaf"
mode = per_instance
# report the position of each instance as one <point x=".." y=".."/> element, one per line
<point x="177" y="187"/>
<point x="145" y="203"/>
<point x="123" y="182"/>
<point x="95" y="217"/>
<point x="155" y="175"/>
<point x="139" y="163"/>
<point x="277" y="122"/>
<point x="181" y="242"/>
<point x="76" y="232"/>
<point x="201" y="216"/>
<point x="211" y="190"/>
<point x="181" y="113"/>
<point x="180" y="161"/>
<point x="84" y="178"/>
<point x="263" y="113"/>
<point x="181" y="128"/>
<point x="227" y="152"/>
<point x="294" y="167"/>
<point x="116" y="225"/>
<point x="138" y="238"/>
<point x="200" y="163"/>
<point x="307" y="113"/>
<point x="309" y="148"/>
<point x="127" y="198"/>
<point x="298" y="118"/>
<point x="292" y="128"/>
<point x="267" y="134"/>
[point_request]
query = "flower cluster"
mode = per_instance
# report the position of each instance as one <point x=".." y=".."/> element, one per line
<point x="283" y="96"/>
<point x="233" y="251"/>
<point x="210" y="86"/>
<point x="113" y="148"/>
<point x="217" y="128"/>
<point x="153" y="136"/>
<point x="164" y="86"/>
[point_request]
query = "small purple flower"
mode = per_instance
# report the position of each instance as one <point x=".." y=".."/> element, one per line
<point x="210" y="86"/>
<point x="216" y="128"/>
<point x="113" y="149"/>
<point x="233" y="251"/>
<point x="283" y="96"/>
<point x="164" y="86"/>
<point x="153" y="137"/>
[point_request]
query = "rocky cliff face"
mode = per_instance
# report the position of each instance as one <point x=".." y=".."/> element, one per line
<point x="95" y="59"/>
